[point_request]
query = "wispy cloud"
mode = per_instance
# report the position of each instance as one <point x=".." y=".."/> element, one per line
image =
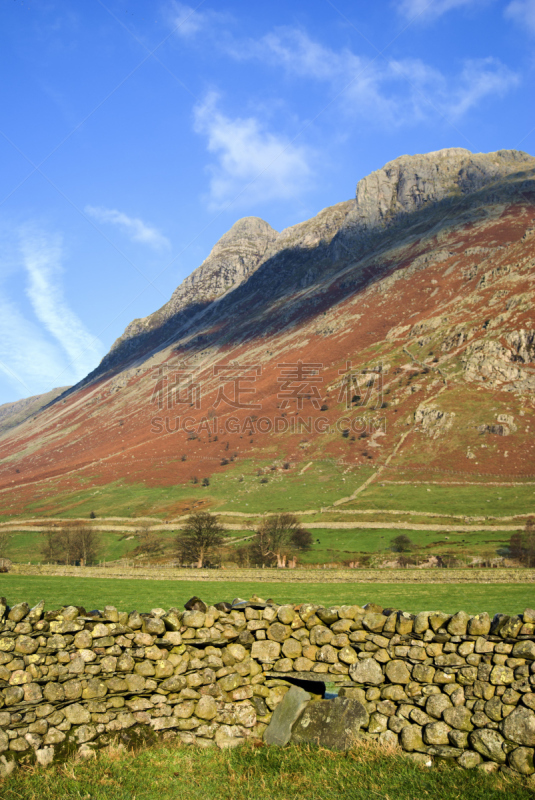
<point x="426" y="10"/>
<point x="251" y="160"/>
<point x="522" y="12"/>
<point x="28" y="361"/>
<point x="382" y="91"/>
<point x="42" y="255"/>
<point x="187" y="21"/>
<point x="135" y="228"/>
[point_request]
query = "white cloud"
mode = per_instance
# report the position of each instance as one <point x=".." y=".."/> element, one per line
<point x="387" y="92"/>
<point x="523" y="12"/>
<point x="251" y="162"/>
<point x="480" y="78"/>
<point x="432" y="9"/>
<point x="42" y="261"/>
<point x="28" y="361"/>
<point x="184" y="19"/>
<point x="134" y="227"/>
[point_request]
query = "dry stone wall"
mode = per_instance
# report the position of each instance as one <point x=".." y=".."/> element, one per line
<point x="438" y="685"/>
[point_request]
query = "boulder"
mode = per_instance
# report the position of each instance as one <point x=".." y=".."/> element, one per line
<point x="77" y="714"/>
<point x="279" y="730"/>
<point x="436" y="704"/>
<point x="524" y="649"/>
<point x="436" y="733"/>
<point x="458" y="718"/>
<point x="411" y="738"/>
<point x="334" y="724"/>
<point x="519" y="726"/>
<point x="374" y="622"/>
<point x="458" y="623"/>
<point x="397" y="672"/>
<point x="521" y="760"/>
<point x="366" y="670"/>
<point x="469" y="759"/>
<point x="195" y="604"/>
<point x="489" y="744"/>
<point x="265" y="651"/>
<point x="479" y="625"/>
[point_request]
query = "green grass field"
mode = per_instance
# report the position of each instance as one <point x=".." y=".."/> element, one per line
<point x="25" y="547"/>
<point x="238" y="488"/>
<point x="172" y="772"/>
<point x="335" y="545"/>
<point x="469" y="500"/>
<point x="127" y="594"/>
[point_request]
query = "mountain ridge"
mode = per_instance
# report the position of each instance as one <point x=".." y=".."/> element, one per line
<point x="396" y="190"/>
<point x="438" y="288"/>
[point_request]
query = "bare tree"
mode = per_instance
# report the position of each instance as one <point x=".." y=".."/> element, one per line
<point x="200" y="540"/>
<point x="522" y="544"/>
<point x="73" y="544"/>
<point x="277" y="536"/>
<point x="150" y="543"/>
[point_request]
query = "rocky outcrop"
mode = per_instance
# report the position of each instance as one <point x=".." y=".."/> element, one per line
<point x="432" y="421"/>
<point x="297" y="256"/>
<point x="487" y="360"/>
<point x="232" y="260"/>
<point x="410" y="183"/>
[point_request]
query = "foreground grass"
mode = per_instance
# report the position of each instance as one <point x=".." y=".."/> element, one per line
<point x="184" y="773"/>
<point x="127" y="594"/>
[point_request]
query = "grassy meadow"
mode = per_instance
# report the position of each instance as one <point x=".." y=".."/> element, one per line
<point x="174" y="772"/>
<point x="472" y="500"/>
<point x="129" y="593"/>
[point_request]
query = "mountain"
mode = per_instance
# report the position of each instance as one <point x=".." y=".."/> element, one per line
<point x="415" y="302"/>
<point x="12" y="414"/>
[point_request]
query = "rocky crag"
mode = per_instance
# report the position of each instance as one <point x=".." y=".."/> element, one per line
<point x="426" y="277"/>
<point x="439" y="686"/>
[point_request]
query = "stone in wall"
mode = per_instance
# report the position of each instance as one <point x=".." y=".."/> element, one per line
<point x="443" y="686"/>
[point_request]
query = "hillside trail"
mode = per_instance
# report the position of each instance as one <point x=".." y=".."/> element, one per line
<point x="394" y="452"/>
<point x="145" y="522"/>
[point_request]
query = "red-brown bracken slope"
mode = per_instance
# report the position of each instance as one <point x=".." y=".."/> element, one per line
<point x="424" y="293"/>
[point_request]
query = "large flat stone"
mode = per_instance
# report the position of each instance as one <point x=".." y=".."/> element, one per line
<point x="316" y="677"/>
<point x="279" y="730"/>
<point x="334" y="724"/>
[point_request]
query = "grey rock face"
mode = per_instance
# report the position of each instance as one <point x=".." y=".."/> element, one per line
<point x="412" y="182"/>
<point x="489" y="744"/>
<point x="519" y="726"/>
<point x="279" y="730"/>
<point x="334" y="724"/>
<point x="233" y="258"/>
<point x="231" y="261"/>
<point x="365" y="671"/>
<point x="301" y="254"/>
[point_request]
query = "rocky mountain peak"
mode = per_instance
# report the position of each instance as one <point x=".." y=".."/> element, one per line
<point x="231" y="261"/>
<point x="411" y="182"/>
<point x="303" y="253"/>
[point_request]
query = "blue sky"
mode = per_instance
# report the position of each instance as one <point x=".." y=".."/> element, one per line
<point x="134" y="133"/>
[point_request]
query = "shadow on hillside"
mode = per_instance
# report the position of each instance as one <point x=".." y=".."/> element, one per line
<point x="260" y="304"/>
